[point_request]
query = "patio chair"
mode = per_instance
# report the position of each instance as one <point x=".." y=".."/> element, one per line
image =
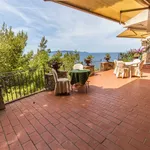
<point x="115" y="66"/>
<point x="78" y="66"/>
<point x="116" y="63"/>
<point x="122" y="70"/>
<point x="137" y="70"/>
<point x="62" y="85"/>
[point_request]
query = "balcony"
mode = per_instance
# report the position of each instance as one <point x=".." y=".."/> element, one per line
<point x="113" y="115"/>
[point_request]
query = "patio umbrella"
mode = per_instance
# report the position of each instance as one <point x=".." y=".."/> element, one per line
<point x="140" y="21"/>
<point x="116" y="10"/>
<point x="134" y="33"/>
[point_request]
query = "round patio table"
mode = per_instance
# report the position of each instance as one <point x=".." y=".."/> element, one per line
<point x="79" y="76"/>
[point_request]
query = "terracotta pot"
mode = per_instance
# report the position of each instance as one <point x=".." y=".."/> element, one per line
<point x="107" y="59"/>
<point x="55" y="65"/>
<point x="87" y="61"/>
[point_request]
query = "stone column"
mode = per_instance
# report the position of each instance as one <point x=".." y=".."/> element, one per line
<point x="2" y="105"/>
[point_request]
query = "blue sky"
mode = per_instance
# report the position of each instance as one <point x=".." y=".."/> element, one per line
<point x="65" y="28"/>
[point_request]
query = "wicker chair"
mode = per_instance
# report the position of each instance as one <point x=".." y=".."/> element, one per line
<point x="62" y="85"/>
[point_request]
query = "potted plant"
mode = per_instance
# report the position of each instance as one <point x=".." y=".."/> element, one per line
<point x="107" y="57"/>
<point x="88" y="59"/>
<point x="55" y="62"/>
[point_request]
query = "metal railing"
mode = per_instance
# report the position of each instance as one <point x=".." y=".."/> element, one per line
<point x="18" y="84"/>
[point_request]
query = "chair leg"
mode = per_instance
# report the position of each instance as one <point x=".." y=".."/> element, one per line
<point x="86" y="88"/>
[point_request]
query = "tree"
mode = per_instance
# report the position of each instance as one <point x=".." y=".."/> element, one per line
<point x="70" y="58"/>
<point x="40" y="59"/>
<point x="43" y="46"/>
<point x="11" y="48"/>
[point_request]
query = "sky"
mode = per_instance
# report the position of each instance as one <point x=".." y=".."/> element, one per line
<point x="63" y="27"/>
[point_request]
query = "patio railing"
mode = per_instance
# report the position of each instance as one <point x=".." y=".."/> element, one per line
<point x="18" y="84"/>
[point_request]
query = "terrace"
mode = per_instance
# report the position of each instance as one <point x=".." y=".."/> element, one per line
<point x="113" y="115"/>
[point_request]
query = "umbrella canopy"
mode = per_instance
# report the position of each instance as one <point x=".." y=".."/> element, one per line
<point x="116" y="10"/>
<point x="134" y="33"/>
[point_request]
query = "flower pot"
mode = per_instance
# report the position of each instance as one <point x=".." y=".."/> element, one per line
<point x="87" y="61"/>
<point x="55" y="65"/>
<point x="107" y="59"/>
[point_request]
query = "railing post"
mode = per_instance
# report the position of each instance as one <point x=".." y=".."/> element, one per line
<point x="2" y="105"/>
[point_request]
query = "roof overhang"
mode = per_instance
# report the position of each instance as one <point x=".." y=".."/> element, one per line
<point x="116" y="10"/>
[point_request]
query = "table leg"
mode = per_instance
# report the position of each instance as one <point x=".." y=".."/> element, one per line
<point x="130" y="72"/>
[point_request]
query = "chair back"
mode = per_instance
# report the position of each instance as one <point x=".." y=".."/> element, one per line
<point x="120" y="64"/>
<point x="78" y="66"/>
<point x="115" y="63"/>
<point x="141" y="64"/>
<point x="55" y="75"/>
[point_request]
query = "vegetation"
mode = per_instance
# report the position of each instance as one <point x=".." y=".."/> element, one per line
<point x="11" y="49"/>
<point x="25" y="71"/>
<point x="69" y="59"/>
<point x="41" y="59"/>
<point x="131" y="54"/>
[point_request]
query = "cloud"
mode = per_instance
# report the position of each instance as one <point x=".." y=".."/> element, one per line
<point x="65" y="28"/>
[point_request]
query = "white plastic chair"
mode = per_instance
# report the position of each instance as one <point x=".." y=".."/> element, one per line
<point x="78" y="66"/>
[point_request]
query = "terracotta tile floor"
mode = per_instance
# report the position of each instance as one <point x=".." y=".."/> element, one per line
<point x="114" y="115"/>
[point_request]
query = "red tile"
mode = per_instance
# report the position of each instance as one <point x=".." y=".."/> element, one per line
<point x="23" y="137"/>
<point x="101" y="147"/>
<point x="35" y="137"/>
<point x="43" y="121"/>
<point x="52" y="120"/>
<point x="65" y="115"/>
<point x="2" y="137"/>
<point x="63" y="121"/>
<point x="40" y="128"/>
<point x="55" y="146"/>
<point x="82" y="145"/>
<point x="56" y="133"/>
<point x="48" y="138"/>
<point x="93" y="143"/>
<point x="29" y="146"/>
<point x="112" y="137"/>
<point x="123" y="142"/>
<point x="29" y="129"/>
<point x="8" y="129"/>
<point x="135" y="135"/>
<point x="111" y="145"/>
<point x="62" y="128"/>
<point x="147" y="142"/>
<point x="69" y="146"/>
<point x="71" y="136"/>
<point x="4" y="146"/>
<point x="84" y="127"/>
<point x="42" y="146"/>
<point x="72" y="127"/>
<point x="96" y="136"/>
<point x="5" y="122"/>
<point x="73" y="120"/>
<point x="139" y="145"/>
<point x="14" y="122"/>
<point x="15" y="146"/>
<point x="11" y="138"/>
<point x="56" y="115"/>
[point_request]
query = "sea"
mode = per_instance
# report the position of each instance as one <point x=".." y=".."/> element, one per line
<point x="98" y="57"/>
